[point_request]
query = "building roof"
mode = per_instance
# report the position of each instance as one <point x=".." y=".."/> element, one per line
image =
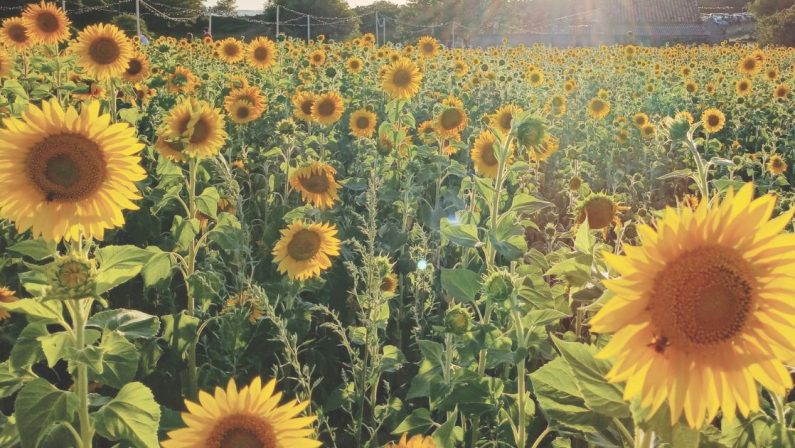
<point x="650" y="11"/>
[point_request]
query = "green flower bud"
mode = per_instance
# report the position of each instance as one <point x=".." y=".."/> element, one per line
<point x="498" y="286"/>
<point x="72" y="277"/>
<point x="457" y="320"/>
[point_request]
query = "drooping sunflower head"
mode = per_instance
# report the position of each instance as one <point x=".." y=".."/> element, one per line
<point x="14" y="34"/>
<point x="249" y="417"/>
<point x="702" y="310"/>
<point x="305" y="249"/>
<point x="327" y="108"/>
<point x="401" y="79"/>
<point x="417" y="441"/>
<point x="137" y="69"/>
<point x="530" y="131"/>
<point x="776" y="165"/>
<point x="46" y="23"/>
<point x="428" y="46"/>
<point x="261" y="53"/>
<point x="713" y="120"/>
<point x="198" y="126"/>
<point x="502" y="118"/>
<point x="362" y="123"/>
<point x="302" y="103"/>
<point x="598" y="108"/>
<point x="103" y="51"/>
<point x="231" y="50"/>
<point x="66" y="173"/>
<point x="317" y="184"/>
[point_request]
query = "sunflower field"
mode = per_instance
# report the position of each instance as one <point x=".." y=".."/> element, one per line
<point x="290" y="244"/>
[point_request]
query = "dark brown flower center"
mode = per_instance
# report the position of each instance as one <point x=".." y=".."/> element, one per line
<point x="326" y="107"/>
<point x="104" y="51"/>
<point x="261" y="54"/>
<point x="451" y="118"/>
<point x="306" y="106"/>
<point x="134" y="67"/>
<point x="17" y="33"/>
<point x="200" y="130"/>
<point x="362" y="123"/>
<point x="487" y="154"/>
<point x="401" y="78"/>
<point x="315" y="182"/>
<point x="599" y="211"/>
<point x="304" y="245"/>
<point x="713" y="120"/>
<point x="242" y="431"/>
<point x="47" y="22"/>
<point x="66" y="167"/>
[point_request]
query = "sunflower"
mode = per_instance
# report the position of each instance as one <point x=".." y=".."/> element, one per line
<point x="598" y="108"/>
<point x="103" y="51"/>
<point x="317" y="184"/>
<point x="417" y="441"/>
<point x="354" y="64"/>
<point x="304" y="249"/>
<point x="247" y="417"/>
<point x="317" y="58"/>
<point x="401" y="79"/>
<point x="327" y="108"/>
<point x="65" y="173"/>
<point x="426" y="131"/>
<point x="776" y="165"/>
<point x="198" y="126"/>
<point x="137" y="69"/>
<point x="252" y="109"/>
<point x="6" y="63"/>
<point x="640" y="119"/>
<point x="182" y="81"/>
<point x="14" y="34"/>
<point x="389" y="283"/>
<point x="648" y="131"/>
<point x="6" y="296"/>
<point x="231" y="50"/>
<point x="600" y="211"/>
<point x="556" y="106"/>
<point x="743" y="87"/>
<point x="502" y="118"/>
<point x="452" y="119"/>
<point x="302" y="103"/>
<point x="261" y="53"/>
<point x="550" y="145"/>
<point x="362" y="123"/>
<point x="749" y="65"/>
<point x="169" y="147"/>
<point x="460" y="68"/>
<point x="484" y="154"/>
<point x="713" y="120"/>
<point x="46" y="23"/>
<point x="428" y="46"/>
<point x="781" y="92"/>
<point x="703" y="309"/>
<point x="535" y="77"/>
<point x="691" y="86"/>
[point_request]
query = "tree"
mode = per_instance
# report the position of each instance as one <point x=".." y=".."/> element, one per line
<point x="225" y="8"/>
<point x="332" y="18"/>
<point x="385" y="9"/>
<point x="764" y="8"/>
<point x="778" y="28"/>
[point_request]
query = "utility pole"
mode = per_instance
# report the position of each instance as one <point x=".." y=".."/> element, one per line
<point x="452" y="44"/>
<point x="308" y="28"/>
<point x="63" y="5"/>
<point x="376" y="28"/>
<point x="277" y="22"/>
<point x="210" y="23"/>
<point x="383" y="30"/>
<point x="137" y="17"/>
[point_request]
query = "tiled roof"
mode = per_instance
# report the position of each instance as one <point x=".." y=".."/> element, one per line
<point x="650" y="11"/>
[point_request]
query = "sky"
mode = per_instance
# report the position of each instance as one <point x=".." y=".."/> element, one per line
<point x="258" y="4"/>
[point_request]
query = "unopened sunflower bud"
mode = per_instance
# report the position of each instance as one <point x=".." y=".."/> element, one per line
<point x="72" y="277"/>
<point x="457" y="320"/>
<point x="498" y="286"/>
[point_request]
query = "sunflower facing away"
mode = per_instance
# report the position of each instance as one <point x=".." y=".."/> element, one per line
<point x="304" y="249"/>
<point x="317" y="184"/>
<point x="417" y="441"/>
<point x="484" y="154"/>
<point x="65" y="172"/>
<point x="46" y="23"/>
<point x="362" y="123"/>
<point x="600" y="210"/>
<point x="261" y="53"/>
<point x="198" y="126"/>
<point x="713" y="120"/>
<point x="14" y="34"/>
<point x="703" y="309"/>
<point x="249" y="417"/>
<point x="103" y="51"/>
<point x="401" y="79"/>
<point x="327" y="108"/>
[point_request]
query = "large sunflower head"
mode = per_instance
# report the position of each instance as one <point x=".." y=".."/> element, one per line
<point x="713" y="120"/>
<point x="137" y="69"/>
<point x="598" y="108"/>
<point x="317" y="58"/>
<point x="252" y="109"/>
<point x="327" y="108"/>
<point x="417" y="441"/>
<point x="317" y="184"/>
<point x="530" y="131"/>
<point x="46" y="23"/>
<point x="66" y="173"/>
<point x="305" y="249"/>
<point x="182" y="81"/>
<point x="703" y="309"/>
<point x="749" y="65"/>
<point x="103" y="51"/>
<point x="14" y="33"/>
<point x="249" y="417"/>
<point x="198" y="126"/>
<point x="302" y="104"/>
<point x="452" y="119"/>
<point x="362" y="123"/>
<point x="428" y="46"/>
<point x="502" y="118"/>
<point x="261" y="53"/>
<point x="600" y="210"/>
<point x="231" y="50"/>
<point x="485" y="153"/>
<point x="401" y="79"/>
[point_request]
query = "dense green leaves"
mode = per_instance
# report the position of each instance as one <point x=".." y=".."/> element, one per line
<point x="132" y="416"/>
<point x="117" y="264"/>
<point x="462" y="284"/>
<point x="39" y="406"/>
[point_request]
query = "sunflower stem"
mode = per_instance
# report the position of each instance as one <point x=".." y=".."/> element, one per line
<point x="644" y="439"/>
<point x="78" y="310"/>
<point x="781" y="410"/>
<point x="190" y="267"/>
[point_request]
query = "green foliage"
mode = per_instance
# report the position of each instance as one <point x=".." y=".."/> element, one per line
<point x="777" y="28"/>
